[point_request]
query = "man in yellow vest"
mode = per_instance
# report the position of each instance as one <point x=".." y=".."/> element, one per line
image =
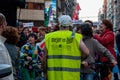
<point x="64" y="50"/>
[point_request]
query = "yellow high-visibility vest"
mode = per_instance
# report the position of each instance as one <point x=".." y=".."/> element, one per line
<point x="64" y="56"/>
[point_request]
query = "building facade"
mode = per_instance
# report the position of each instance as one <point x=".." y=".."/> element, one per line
<point x="66" y="7"/>
<point x="111" y="11"/>
<point x="117" y="14"/>
<point x="33" y="12"/>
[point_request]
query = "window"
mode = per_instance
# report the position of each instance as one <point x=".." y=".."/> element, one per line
<point x="37" y="6"/>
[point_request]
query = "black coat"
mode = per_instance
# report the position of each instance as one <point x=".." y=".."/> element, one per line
<point x="23" y="40"/>
<point x="118" y="41"/>
<point x="9" y="9"/>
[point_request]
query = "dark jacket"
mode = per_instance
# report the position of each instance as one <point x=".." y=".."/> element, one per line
<point x="13" y="51"/>
<point x="23" y="40"/>
<point x="118" y="41"/>
<point x="9" y="9"/>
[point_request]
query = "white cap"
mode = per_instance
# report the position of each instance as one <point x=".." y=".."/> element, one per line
<point x="65" y="20"/>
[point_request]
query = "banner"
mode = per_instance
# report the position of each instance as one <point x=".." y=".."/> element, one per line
<point x="30" y="24"/>
<point x="50" y="12"/>
<point x="76" y="12"/>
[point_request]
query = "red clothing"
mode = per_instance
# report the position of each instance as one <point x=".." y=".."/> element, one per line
<point x="107" y="40"/>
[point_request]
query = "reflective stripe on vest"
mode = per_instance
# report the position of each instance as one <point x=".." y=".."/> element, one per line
<point x="64" y="69"/>
<point x="63" y="57"/>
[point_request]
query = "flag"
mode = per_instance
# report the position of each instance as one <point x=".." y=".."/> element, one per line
<point x="41" y="45"/>
<point x="78" y="7"/>
<point x="50" y="10"/>
<point x="76" y="12"/>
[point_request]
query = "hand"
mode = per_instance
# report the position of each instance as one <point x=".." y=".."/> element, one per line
<point x="29" y="58"/>
<point x="114" y="62"/>
<point x="85" y="64"/>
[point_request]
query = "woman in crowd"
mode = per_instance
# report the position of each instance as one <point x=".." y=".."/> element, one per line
<point x="23" y="37"/>
<point x="11" y="34"/>
<point x="28" y="54"/>
<point x="94" y="47"/>
<point x="106" y="38"/>
<point x="41" y="33"/>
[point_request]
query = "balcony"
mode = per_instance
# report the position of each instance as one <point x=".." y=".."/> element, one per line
<point x="30" y="14"/>
<point x="37" y="1"/>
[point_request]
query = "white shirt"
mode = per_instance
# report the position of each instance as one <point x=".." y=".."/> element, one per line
<point x="4" y="57"/>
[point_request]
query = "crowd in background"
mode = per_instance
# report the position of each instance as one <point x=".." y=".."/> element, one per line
<point x="26" y="49"/>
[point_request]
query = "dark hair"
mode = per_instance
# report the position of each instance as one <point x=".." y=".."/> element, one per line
<point x="24" y="29"/>
<point x="33" y="35"/>
<point x="56" y="27"/>
<point x="108" y="24"/>
<point x="86" y="30"/>
<point x="89" y="21"/>
<point x="11" y="34"/>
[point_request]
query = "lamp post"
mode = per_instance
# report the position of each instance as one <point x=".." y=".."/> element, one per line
<point x="115" y="7"/>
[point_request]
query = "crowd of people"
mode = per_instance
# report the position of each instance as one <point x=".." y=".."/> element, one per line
<point x="63" y="52"/>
